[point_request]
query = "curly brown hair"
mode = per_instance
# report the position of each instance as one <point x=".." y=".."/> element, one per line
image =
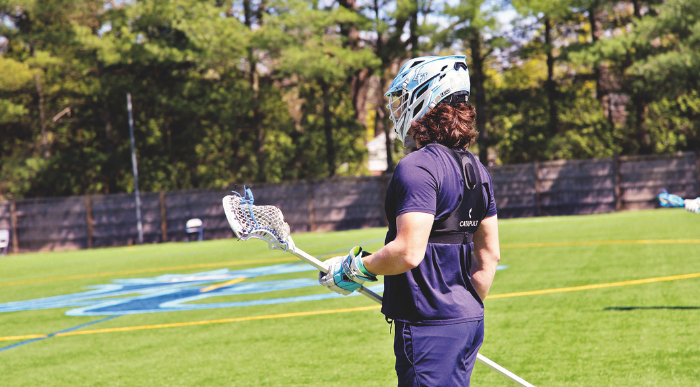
<point x="449" y="125"/>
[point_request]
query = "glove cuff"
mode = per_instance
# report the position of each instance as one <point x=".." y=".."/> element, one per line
<point x="358" y="269"/>
<point x="361" y="266"/>
<point x="355" y="269"/>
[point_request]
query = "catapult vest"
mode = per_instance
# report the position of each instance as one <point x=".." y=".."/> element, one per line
<point x="459" y="227"/>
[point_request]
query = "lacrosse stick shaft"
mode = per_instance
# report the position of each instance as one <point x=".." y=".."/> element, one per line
<point x="507" y="374"/>
<point x="313" y="261"/>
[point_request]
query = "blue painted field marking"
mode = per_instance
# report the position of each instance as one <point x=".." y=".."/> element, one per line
<point x="173" y="292"/>
<point x="180" y="292"/>
<point x="117" y="289"/>
<point x="140" y="295"/>
<point x="53" y="334"/>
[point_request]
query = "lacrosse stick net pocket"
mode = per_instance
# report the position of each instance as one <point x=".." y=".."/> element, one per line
<point x="262" y="222"/>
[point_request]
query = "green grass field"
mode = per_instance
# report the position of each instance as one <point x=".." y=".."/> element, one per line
<point x="623" y="333"/>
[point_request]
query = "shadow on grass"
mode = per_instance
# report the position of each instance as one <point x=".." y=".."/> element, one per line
<point x="652" y="307"/>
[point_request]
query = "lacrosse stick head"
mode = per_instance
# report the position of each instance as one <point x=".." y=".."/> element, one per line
<point x="261" y="222"/>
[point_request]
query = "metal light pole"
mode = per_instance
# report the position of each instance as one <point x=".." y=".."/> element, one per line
<point x="139" y="223"/>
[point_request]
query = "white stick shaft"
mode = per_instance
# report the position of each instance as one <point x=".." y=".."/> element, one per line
<point x="313" y="261"/>
<point x="322" y="267"/>
<point x="378" y="299"/>
<point x="509" y="375"/>
<point x="368" y="293"/>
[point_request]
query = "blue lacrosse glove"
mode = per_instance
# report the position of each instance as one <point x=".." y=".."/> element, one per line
<point x="346" y="274"/>
<point x="669" y="200"/>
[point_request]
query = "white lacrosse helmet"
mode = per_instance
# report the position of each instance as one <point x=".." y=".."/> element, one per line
<point x="421" y="84"/>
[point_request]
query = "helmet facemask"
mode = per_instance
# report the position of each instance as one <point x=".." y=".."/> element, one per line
<point x="398" y="107"/>
<point x="402" y="113"/>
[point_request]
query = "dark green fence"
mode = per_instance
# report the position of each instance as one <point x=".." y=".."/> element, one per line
<point x="563" y="187"/>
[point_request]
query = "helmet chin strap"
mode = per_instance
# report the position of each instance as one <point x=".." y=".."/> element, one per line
<point x="409" y="142"/>
<point x="456" y="98"/>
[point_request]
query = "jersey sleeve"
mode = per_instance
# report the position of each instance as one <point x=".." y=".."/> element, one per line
<point x="415" y="188"/>
<point x="491" y="205"/>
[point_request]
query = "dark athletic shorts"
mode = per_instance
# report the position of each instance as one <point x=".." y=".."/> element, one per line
<point x="436" y="355"/>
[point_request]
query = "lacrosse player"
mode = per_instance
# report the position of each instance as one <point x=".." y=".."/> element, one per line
<point x="441" y="250"/>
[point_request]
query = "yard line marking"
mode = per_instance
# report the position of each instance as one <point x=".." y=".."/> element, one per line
<point x="154" y="269"/>
<point x="193" y="323"/>
<point x="596" y="286"/>
<point x="23" y="337"/>
<point x="597" y="243"/>
<point x="33" y="338"/>
<point x="227" y="283"/>
<point x="70" y="332"/>
<point x="332" y="311"/>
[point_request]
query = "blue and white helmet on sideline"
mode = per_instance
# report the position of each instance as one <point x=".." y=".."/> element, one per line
<point x="421" y="84"/>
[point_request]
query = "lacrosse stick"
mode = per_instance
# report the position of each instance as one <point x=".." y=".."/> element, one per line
<point x="267" y="223"/>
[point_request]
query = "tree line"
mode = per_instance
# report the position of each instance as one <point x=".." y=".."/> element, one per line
<point x="274" y="90"/>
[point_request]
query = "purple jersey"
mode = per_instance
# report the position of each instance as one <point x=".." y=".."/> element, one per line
<point x="439" y="291"/>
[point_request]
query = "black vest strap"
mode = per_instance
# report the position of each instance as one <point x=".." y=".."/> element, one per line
<point x="452" y="239"/>
<point x="459" y="227"/>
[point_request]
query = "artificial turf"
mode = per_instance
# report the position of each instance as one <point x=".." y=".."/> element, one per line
<point x="631" y="334"/>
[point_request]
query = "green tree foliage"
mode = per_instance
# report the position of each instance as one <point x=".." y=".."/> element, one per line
<point x="662" y="53"/>
<point x="476" y="27"/>
<point x="315" y="62"/>
<point x="198" y="112"/>
<point x="273" y="90"/>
